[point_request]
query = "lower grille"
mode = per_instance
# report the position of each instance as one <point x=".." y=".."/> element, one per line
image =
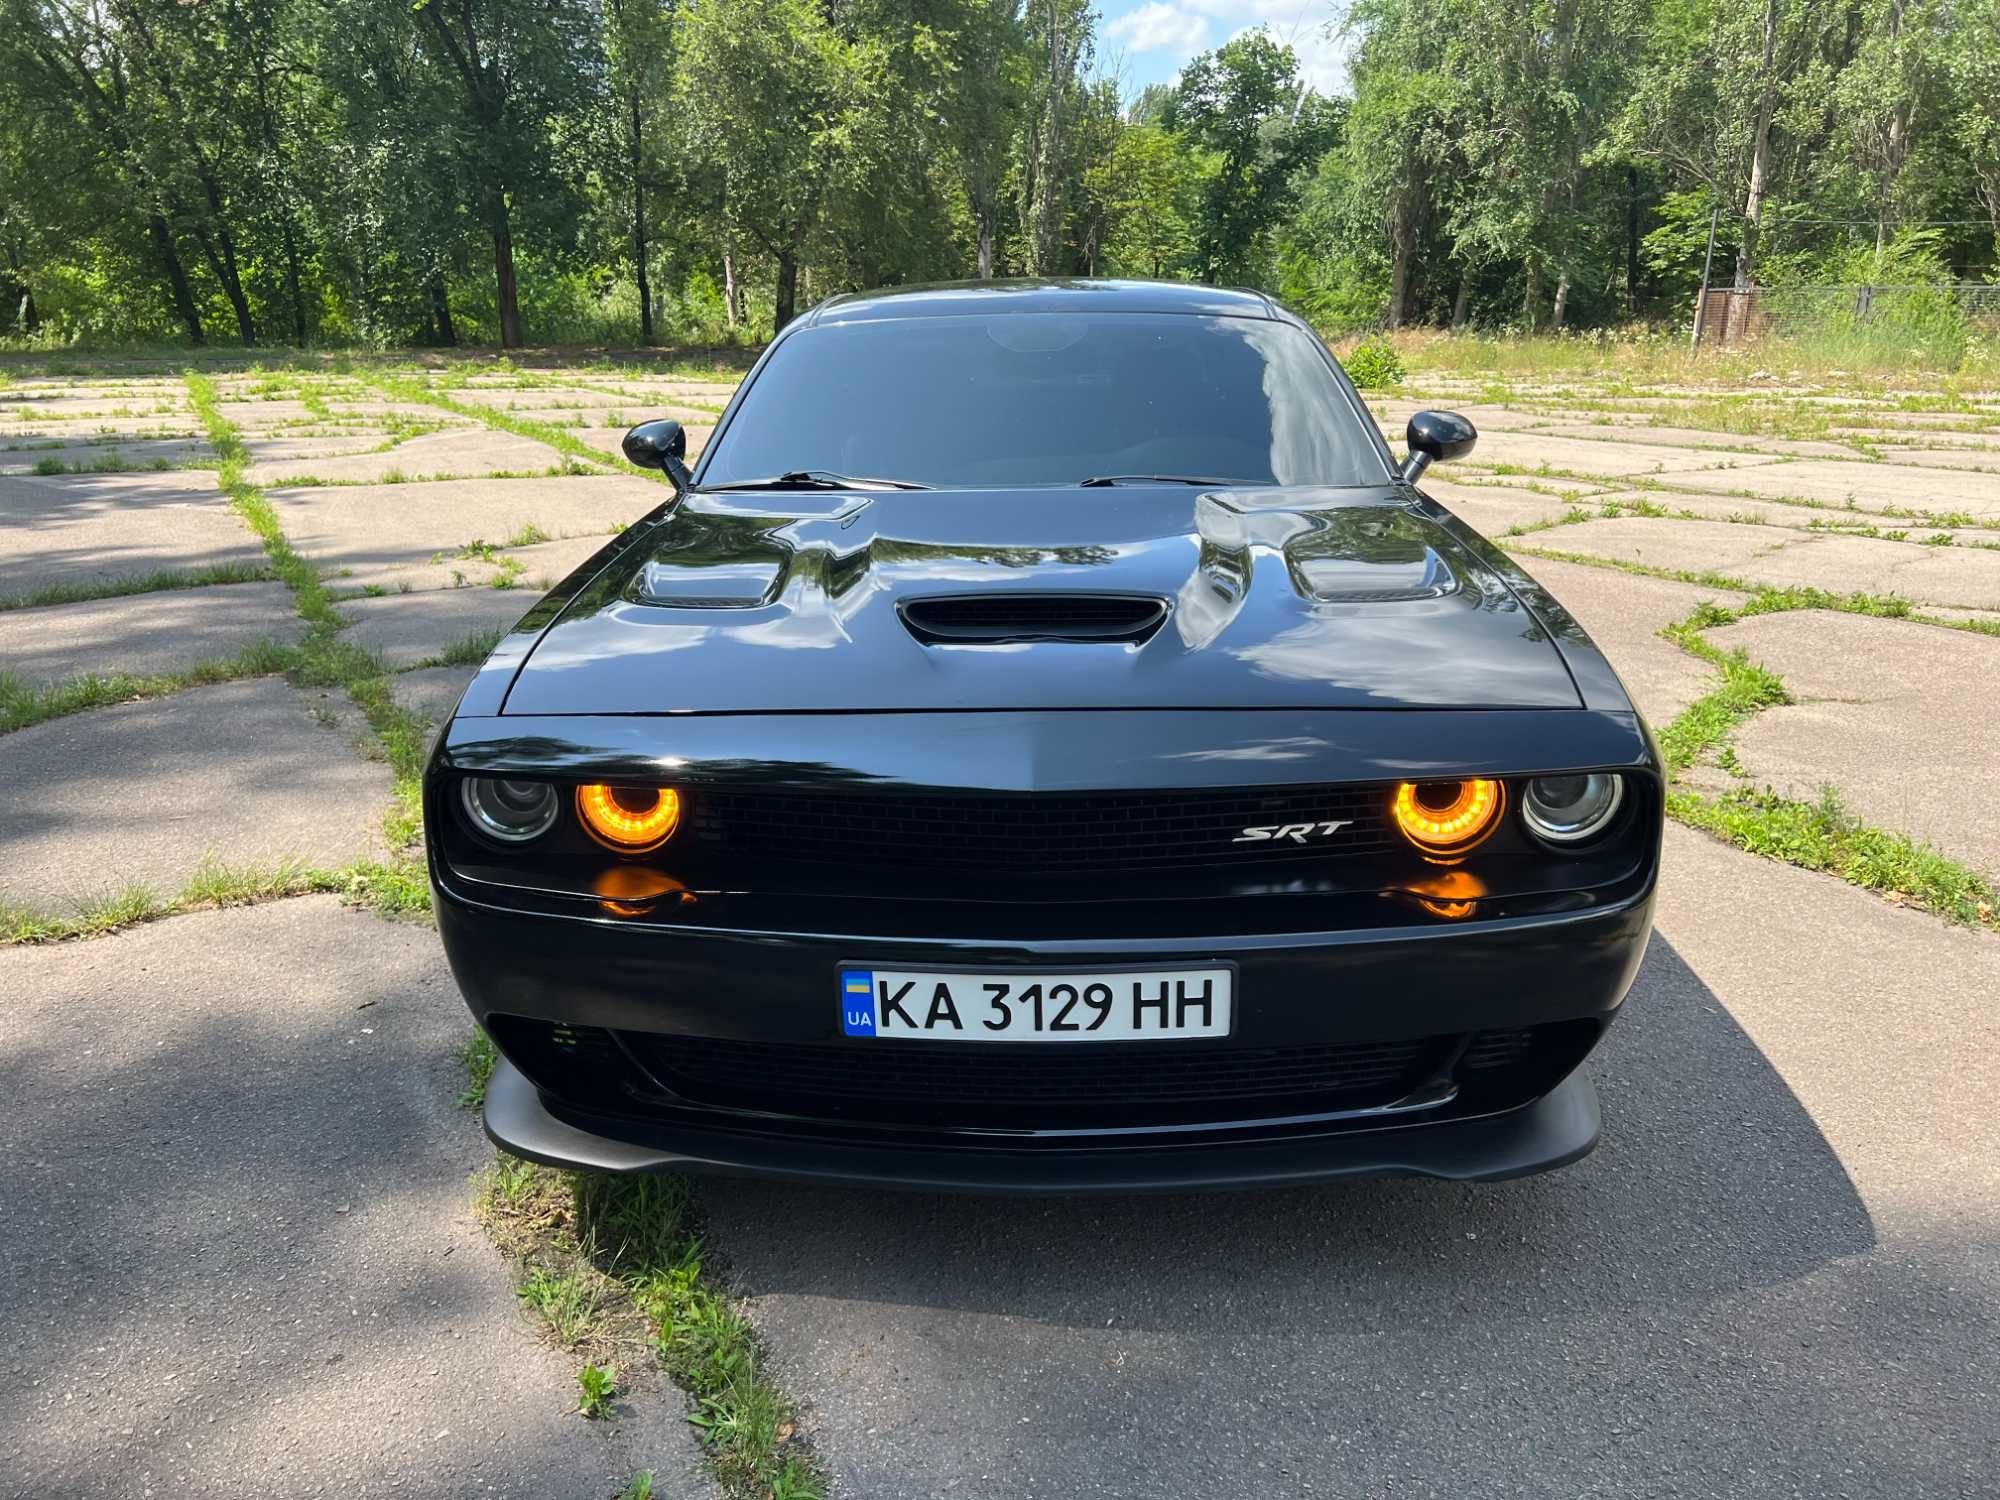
<point x="1041" y="833"/>
<point x="1061" y="1086"/>
<point x="1032" y="1086"/>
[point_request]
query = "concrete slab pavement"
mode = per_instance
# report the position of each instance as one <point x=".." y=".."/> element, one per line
<point x="1899" y="716"/>
<point x="1624" y="614"/>
<point x="94" y="528"/>
<point x="364" y="527"/>
<point x="243" y="1261"/>
<point x="145" y="634"/>
<point x="142" y="792"/>
<point x="409" y="628"/>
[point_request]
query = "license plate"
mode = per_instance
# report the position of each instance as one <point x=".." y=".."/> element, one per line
<point x="1082" y="1005"/>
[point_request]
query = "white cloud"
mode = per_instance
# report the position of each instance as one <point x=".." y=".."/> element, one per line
<point x="1160" y="27"/>
<point x="1181" y="28"/>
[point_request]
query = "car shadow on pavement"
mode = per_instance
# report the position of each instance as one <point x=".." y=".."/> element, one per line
<point x="1711" y="1178"/>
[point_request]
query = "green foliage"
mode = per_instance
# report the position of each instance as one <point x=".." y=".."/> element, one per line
<point x="1374" y="365"/>
<point x="598" y="1386"/>
<point x="377" y="172"/>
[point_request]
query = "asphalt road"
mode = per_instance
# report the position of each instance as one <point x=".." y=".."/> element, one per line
<point x="1779" y="1275"/>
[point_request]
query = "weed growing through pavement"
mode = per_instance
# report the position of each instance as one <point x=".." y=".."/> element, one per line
<point x="145" y="583"/>
<point x="1815" y="835"/>
<point x="325" y="660"/>
<point x="598" y="1384"/>
<point x="614" y="1267"/>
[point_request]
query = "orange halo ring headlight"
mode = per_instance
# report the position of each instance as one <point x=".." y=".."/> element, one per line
<point x="629" y="819"/>
<point x="1448" y="817"/>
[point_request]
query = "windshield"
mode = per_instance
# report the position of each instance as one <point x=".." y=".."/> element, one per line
<point x="1049" y="399"/>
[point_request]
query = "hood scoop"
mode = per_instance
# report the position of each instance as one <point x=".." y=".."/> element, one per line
<point x="1013" y="617"/>
<point x="735" y="585"/>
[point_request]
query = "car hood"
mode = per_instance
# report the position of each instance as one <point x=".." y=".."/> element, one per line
<point x="1267" y="598"/>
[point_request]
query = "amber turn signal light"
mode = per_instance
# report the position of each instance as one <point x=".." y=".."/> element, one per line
<point x="629" y="819"/>
<point x="1448" y="817"/>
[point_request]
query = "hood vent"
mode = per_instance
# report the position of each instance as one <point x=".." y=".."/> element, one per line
<point x="1001" y="619"/>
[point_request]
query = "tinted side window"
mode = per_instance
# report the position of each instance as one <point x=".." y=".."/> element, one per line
<point x="1049" y="399"/>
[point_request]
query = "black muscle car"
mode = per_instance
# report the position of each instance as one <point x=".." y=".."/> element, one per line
<point x="1047" y="743"/>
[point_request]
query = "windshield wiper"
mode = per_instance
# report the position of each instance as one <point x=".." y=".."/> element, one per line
<point x="1105" y="481"/>
<point x="818" y="479"/>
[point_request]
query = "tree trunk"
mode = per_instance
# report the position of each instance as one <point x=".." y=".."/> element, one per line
<point x="447" y="331"/>
<point x="1631" y="242"/>
<point x="178" y="295"/>
<point x="985" y="244"/>
<point x="731" y="298"/>
<point x="1531" y="295"/>
<point x="503" y="277"/>
<point x="788" y="291"/>
<point x="1463" y="304"/>
<point x="1760" y="156"/>
<point x="1399" y="282"/>
<point x="1562" y="299"/>
<point x="639" y="228"/>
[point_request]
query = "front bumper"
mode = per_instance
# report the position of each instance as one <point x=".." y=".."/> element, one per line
<point x="1553" y="1131"/>
<point x="641" y="987"/>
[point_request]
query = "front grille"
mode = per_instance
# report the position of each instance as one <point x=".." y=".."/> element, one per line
<point x="1034" y="1086"/>
<point x="1042" y="833"/>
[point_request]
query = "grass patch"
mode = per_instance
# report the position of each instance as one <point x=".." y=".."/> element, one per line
<point x="1822" y="835"/>
<point x="467" y="652"/>
<point x="23" y="704"/>
<point x="112" y="462"/>
<point x="146" y="583"/>
<point x="1819" y="835"/>
<point x="324" y="660"/>
<point x="614" y="1266"/>
<point x="213" y="885"/>
<point x="477" y="1057"/>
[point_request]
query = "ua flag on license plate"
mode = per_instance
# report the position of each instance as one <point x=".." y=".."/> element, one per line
<point x="857" y="1002"/>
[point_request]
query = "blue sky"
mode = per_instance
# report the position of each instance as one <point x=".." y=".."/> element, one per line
<point x="1147" y="41"/>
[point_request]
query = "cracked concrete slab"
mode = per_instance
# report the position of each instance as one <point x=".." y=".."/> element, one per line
<point x="1869" y="487"/>
<point x="1962" y="576"/>
<point x="460" y="452"/>
<point x="145" y="634"/>
<point x="135" y="455"/>
<point x="244" y="1261"/>
<point x="432" y="692"/>
<point x="94" y="528"/>
<point x="364" y="527"/>
<point x="143" y="792"/>
<point x="1898" y="716"/>
<point x="1623" y="613"/>
<point x="410" y="628"/>
<point x="1610" y="457"/>
<point x="1492" y="509"/>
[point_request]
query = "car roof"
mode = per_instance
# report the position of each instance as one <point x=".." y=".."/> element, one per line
<point x="945" y="298"/>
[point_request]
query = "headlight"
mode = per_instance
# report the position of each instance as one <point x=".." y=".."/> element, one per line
<point x="1448" y="817"/>
<point x="629" y="819"/>
<point x="509" y="812"/>
<point x="1570" y="809"/>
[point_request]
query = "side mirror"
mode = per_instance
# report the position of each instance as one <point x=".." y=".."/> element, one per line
<point x="1433" y="436"/>
<point x="660" y="445"/>
<point x="651" y="444"/>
